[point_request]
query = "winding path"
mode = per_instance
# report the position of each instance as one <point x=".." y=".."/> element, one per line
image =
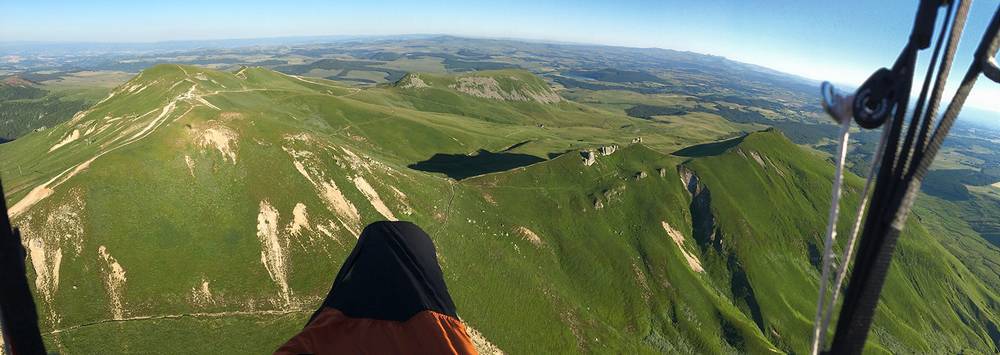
<point x="181" y="315"/>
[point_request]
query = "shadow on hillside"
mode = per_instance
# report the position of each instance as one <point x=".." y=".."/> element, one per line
<point x="708" y="149"/>
<point x="461" y="166"/>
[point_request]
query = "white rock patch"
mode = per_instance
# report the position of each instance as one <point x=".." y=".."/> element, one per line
<point x="202" y="100"/>
<point x="201" y="295"/>
<point x="70" y="138"/>
<point x="529" y="235"/>
<point x="272" y="252"/>
<point x="222" y="139"/>
<point x="46" y="262"/>
<point x="190" y="164"/>
<point x="678" y="239"/>
<point x="341" y="205"/>
<point x="482" y="345"/>
<point x="757" y="158"/>
<point x="373" y="197"/>
<point x="300" y="219"/>
<point x="414" y="82"/>
<point x="93" y="127"/>
<point x="306" y="164"/>
<point x="47" y="242"/>
<point x="114" y="282"/>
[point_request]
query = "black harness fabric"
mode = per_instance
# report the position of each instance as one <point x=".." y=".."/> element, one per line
<point x="392" y="274"/>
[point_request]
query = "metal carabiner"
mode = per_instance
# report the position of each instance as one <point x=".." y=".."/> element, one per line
<point x="875" y="99"/>
<point x="836" y="103"/>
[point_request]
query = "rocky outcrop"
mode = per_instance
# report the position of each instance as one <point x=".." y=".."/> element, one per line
<point x="607" y="150"/>
<point x="588" y="157"/>
<point x="688" y="179"/>
<point x="482" y="345"/>
<point x="529" y="235"/>
<point x="757" y="158"/>
<point x="640" y="175"/>
<point x="221" y="138"/>
<point x="609" y="195"/>
<point x="411" y="81"/>
<point x="708" y="236"/>
<point x="761" y="160"/>
<point x="489" y="88"/>
<point x="678" y="239"/>
<point x="702" y="218"/>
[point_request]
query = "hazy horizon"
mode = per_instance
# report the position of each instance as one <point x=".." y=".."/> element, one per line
<point x="976" y="115"/>
<point x="842" y="42"/>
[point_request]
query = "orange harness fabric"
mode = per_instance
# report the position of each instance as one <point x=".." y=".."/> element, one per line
<point x="427" y="332"/>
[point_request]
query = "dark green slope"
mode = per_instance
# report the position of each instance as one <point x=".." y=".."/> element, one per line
<point x="768" y="222"/>
<point x="754" y="217"/>
<point x="617" y="280"/>
<point x="945" y="218"/>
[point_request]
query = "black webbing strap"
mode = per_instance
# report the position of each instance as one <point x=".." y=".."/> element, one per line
<point x="898" y="184"/>
<point x="18" y="317"/>
<point x="875" y="246"/>
<point x="987" y="49"/>
<point x="918" y="119"/>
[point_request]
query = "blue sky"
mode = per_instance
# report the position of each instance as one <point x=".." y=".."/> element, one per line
<point x="839" y="40"/>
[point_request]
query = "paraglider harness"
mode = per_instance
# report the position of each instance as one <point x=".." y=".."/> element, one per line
<point x="900" y="162"/>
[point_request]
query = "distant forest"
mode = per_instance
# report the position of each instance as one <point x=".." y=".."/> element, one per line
<point x="24" y="109"/>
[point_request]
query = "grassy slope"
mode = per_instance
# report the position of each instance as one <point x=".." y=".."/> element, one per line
<point x="767" y="219"/>
<point x="600" y="280"/>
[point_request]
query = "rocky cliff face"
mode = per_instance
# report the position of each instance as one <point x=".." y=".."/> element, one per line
<point x="702" y="218"/>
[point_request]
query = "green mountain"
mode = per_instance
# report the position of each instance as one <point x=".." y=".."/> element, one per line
<point x="194" y="206"/>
